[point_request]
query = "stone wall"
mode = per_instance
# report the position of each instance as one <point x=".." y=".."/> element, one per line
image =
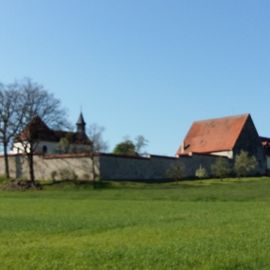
<point x="268" y="163"/>
<point x="114" y="167"/>
<point x="107" y="166"/>
<point x="52" y="166"/>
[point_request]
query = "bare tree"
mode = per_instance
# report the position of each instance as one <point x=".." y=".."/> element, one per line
<point x="95" y="134"/>
<point x="11" y="116"/>
<point x="140" y="143"/>
<point x="37" y="103"/>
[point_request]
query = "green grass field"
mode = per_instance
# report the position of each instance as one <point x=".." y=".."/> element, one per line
<point x="207" y="224"/>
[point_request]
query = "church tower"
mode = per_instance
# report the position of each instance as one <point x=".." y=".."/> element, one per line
<point x="80" y="124"/>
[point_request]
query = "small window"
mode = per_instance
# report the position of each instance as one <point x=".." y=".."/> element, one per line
<point x="44" y="149"/>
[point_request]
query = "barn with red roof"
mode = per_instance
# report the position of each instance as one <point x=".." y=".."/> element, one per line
<point x="226" y="137"/>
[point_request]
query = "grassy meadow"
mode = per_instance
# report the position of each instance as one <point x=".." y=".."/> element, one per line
<point x="208" y="224"/>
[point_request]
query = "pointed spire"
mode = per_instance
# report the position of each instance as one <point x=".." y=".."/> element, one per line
<point x="81" y="124"/>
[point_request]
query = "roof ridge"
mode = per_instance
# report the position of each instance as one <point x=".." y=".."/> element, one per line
<point x="222" y="118"/>
<point x="237" y="137"/>
<point x="209" y="135"/>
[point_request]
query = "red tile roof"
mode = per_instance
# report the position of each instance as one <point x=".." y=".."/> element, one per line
<point x="36" y="129"/>
<point x="213" y="135"/>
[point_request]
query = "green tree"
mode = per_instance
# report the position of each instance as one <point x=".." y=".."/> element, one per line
<point x="245" y="165"/>
<point x="176" y="172"/>
<point x="201" y="172"/>
<point x="221" y="168"/>
<point x="64" y="145"/>
<point x="126" y="147"/>
<point x="131" y="147"/>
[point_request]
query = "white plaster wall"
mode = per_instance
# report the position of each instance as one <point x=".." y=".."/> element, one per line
<point x="228" y="154"/>
<point x="18" y="148"/>
<point x="12" y="166"/>
<point x="81" y="166"/>
<point x="45" y="167"/>
<point x="51" y="148"/>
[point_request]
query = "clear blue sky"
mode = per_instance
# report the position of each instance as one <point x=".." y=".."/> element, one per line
<point x="145" y="67"/>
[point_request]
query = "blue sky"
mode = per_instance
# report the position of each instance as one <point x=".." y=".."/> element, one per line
<point x="146" y="67"/>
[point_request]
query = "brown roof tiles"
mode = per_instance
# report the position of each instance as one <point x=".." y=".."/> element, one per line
<point x="40" y="131"/>
<point x="214" y="135"/>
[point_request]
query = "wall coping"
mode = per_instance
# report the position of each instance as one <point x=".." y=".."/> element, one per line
<point x="123" y="156"/>
<point x="100" y="154"/>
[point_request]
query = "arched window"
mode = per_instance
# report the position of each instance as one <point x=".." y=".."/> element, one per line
<point x="44" y="149"/>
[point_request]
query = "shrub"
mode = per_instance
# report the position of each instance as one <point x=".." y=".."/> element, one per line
<point x="63" y="145"/>
<point x="201" y="172"/>
<point x="54" y="175"/>
<point x="68" y="174"/>
<point x="3" y="179"/>
<point x="245" y="165"/>
<point x="86" y="176"/>
<point x="221" y="168"/>
<point x="176" y="172"/>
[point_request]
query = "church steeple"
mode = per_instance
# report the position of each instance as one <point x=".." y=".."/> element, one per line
<point x="81" y="124"/>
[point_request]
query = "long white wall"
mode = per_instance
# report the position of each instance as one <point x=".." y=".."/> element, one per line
<point x="52" y="166"/>
<point x="108" y="166"/>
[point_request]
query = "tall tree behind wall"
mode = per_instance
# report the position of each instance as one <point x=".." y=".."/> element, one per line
<point x="95" y="134"/>
<point x="37" y="101"/>
<point x="11" y="116"/>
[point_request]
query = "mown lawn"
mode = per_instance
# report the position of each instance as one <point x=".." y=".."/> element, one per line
<point x="207" y="224"/>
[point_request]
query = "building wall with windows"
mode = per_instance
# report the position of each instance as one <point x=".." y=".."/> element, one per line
<point x="46" y="147"/>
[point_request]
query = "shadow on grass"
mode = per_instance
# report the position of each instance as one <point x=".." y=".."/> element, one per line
<point x="75" y="184"/>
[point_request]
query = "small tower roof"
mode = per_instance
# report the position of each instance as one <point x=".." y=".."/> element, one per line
<point x="80" y="120"/>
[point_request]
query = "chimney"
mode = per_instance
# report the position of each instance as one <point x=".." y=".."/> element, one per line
<point x="182" y="147"/>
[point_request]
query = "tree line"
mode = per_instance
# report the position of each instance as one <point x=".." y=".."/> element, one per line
<point x="243" y="165"/>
